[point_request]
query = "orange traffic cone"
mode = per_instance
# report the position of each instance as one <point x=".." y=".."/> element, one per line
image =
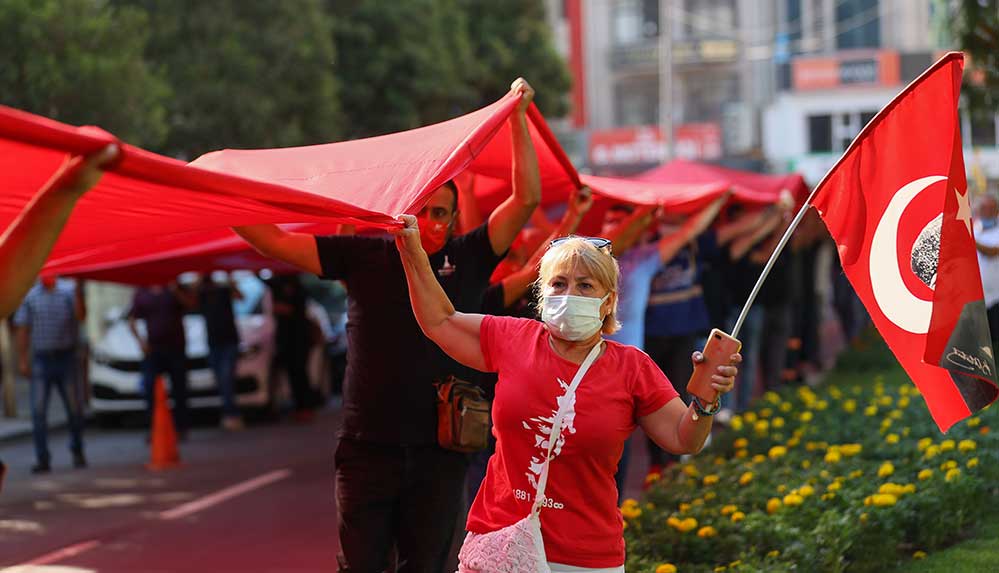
<point x="163" y="446"/>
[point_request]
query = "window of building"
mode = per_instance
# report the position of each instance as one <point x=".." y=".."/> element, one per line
<point x="637" y="103"/>
<point x="708" y="17"/>
<point x="819" y="133"/>
<point x="828" y="133"/>
<point x="635" y="21"/>
<point x="983" y="131"/>
<point x="858" y="24"/>
<point x="794" y="24"/>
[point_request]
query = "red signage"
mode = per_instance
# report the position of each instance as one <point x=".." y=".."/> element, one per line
<point x="646" y="146"/>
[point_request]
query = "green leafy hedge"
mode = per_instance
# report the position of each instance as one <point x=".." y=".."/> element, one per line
<point x="854" y="473"/>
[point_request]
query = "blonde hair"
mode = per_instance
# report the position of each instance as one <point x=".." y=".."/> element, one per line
<point x="577" y="251"/>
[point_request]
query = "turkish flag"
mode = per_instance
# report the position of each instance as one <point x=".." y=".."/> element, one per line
<point x="898" y="208"/>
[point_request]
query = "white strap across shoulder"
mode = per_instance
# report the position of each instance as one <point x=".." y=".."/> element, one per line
<point x="539" y="496"/>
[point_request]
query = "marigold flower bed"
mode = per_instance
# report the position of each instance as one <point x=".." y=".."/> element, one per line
<point x="853" y="473"/>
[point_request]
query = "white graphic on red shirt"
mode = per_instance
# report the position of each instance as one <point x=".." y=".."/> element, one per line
<point x="542" y="428"/>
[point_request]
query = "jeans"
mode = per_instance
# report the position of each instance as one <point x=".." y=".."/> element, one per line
<point x="55" y="368"/>
<point x="174" y="363"/>
<point x="222" y="359"/>
<point x="403" y="496"/>
<point x="751" y="336"/>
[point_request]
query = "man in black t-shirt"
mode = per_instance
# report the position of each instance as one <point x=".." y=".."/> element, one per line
<point x="215" y="300"/>
<point x="395" y="485"/>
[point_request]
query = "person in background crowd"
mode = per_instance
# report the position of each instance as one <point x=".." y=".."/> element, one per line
<point x="164" y="344"/>
<point x="535" y="361"/>
<point x="640" y="259"/>
<point x="292" y="341"/>
<point x="395" y="485"/>
<point x="27" y="242"/>
<point x="215" y="300"/>
<point x="50" y="318"/>
<point x="987" y="243"/>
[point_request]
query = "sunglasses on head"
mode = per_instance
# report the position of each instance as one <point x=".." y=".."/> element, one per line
<point x="598" y="242"/>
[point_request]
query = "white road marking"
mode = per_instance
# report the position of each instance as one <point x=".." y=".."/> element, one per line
<point x="218" y="497"/>
<point x="60" y="554"/>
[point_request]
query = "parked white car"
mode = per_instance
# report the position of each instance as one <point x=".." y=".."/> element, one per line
<point x="115" y="360"/>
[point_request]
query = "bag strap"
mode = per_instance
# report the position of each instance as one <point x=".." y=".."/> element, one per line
<point x="556" y="433"/>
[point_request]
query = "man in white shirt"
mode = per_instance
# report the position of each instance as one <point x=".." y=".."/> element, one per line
<point x="987" y="242"/>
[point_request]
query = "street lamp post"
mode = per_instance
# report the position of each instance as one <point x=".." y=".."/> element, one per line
<point x="666" y="75"/>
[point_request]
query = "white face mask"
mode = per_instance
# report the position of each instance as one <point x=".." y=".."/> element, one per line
<point x="573" y="317"/>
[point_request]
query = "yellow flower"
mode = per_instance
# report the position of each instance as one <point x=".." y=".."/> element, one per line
<point x="850" y="406"/>
<point x="720" y="569"/>
<point x="697" y="502"/>
<point x="684" y="507"/>
<point x="885" y="400"/>
<point x="863" y="517"/>
<point x="761" y="426"/>
<point x="687" y="524"/>
<point x="773" y="504"/>
<point x="781" y="488"/>
<point x="759" y="459"/>
<point x="793" y="499"/>
<point x="892" y="438"/>
<point x="903" y="402"/>
<point x="948" y="465"/>
<point x="931" y="452"/>
<point x="924" y="443"/>
<point x="821" y="405"/>
<point x="736" y="423"/>
<point x="673" y="522"/>
<point x="666" y="568"/>
<point x="947" y="445"/>
<point x="766" y="412"/>
<point x="828" y="496"/>
<point x="881" y="500"/>
<point x="710" y="495"/>
<point x="771" y="396"/>
<point x="919" y="555"/>
<point x="653" y="477"/>
<point x="794" y="441"/>
<point x="729" y="509"/>
<point x="777" y="422"/>
<point x="772" y="554"/>
<point x="719" y="461"/>
<point x="952" y="474"/>
<point x="741" y="454"/>
<point x="711" y="479"/>
<point x="707" y="531"/>
<point x="806" y="490"/>
<point x="745" y="478"/>
<point x="735" y="564"/>
<point x="871" y="411"/>
<point x="834" y="486"/>
<point x="749" y="417"/>
<point x="966" y="445"/>
<point x="925" y="474"/>
<point x="850" y="449"/>
<point x="630" y="512"/>
<point x="885" y="424"/>
<point x="896" y="489"/>
<point x="886" y="469"/>
<point x="833" y="456"/>
<point x="738" y="516"/>
<point x="824" y="474"/>
<point x="806" y="464"/>
<point x="691" y="470"/>
<point x="806" y="416"/>
<point x="785" y="407"/>
<point x="974" y="422"/>
<point x="856" y="474"/>
<point x="777" y="452"/>
<point x="972" y="462"/>
<point x="740" y="443"/>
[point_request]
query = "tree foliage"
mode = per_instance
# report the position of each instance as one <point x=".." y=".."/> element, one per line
<point x="80" y="61"/>
<point x="245" y="74"/>
<point x="977" y="30"/>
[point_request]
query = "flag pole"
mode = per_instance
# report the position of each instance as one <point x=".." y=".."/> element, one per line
<point x="773" y="259"/>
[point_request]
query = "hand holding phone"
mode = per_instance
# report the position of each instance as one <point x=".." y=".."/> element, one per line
<point x="717" y="352"/>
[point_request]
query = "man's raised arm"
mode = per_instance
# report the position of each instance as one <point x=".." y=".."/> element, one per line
<point x="511" y="216"/>
<point x="297" y="249"/>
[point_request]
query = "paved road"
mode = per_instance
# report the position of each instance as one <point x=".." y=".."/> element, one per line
<point x="258" y="500"/>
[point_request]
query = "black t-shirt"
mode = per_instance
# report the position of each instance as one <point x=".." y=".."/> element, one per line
<point x="164" y="316"/>
<point x="388" y="394"/>
<point x="292" y="328"/>
<point x="216" y="306"/>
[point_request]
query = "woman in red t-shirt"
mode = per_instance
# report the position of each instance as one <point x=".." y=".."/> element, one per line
<point x="581" y="524"/>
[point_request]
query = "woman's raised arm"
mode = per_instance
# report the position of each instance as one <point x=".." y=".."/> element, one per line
<point x="456" y="333"/>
